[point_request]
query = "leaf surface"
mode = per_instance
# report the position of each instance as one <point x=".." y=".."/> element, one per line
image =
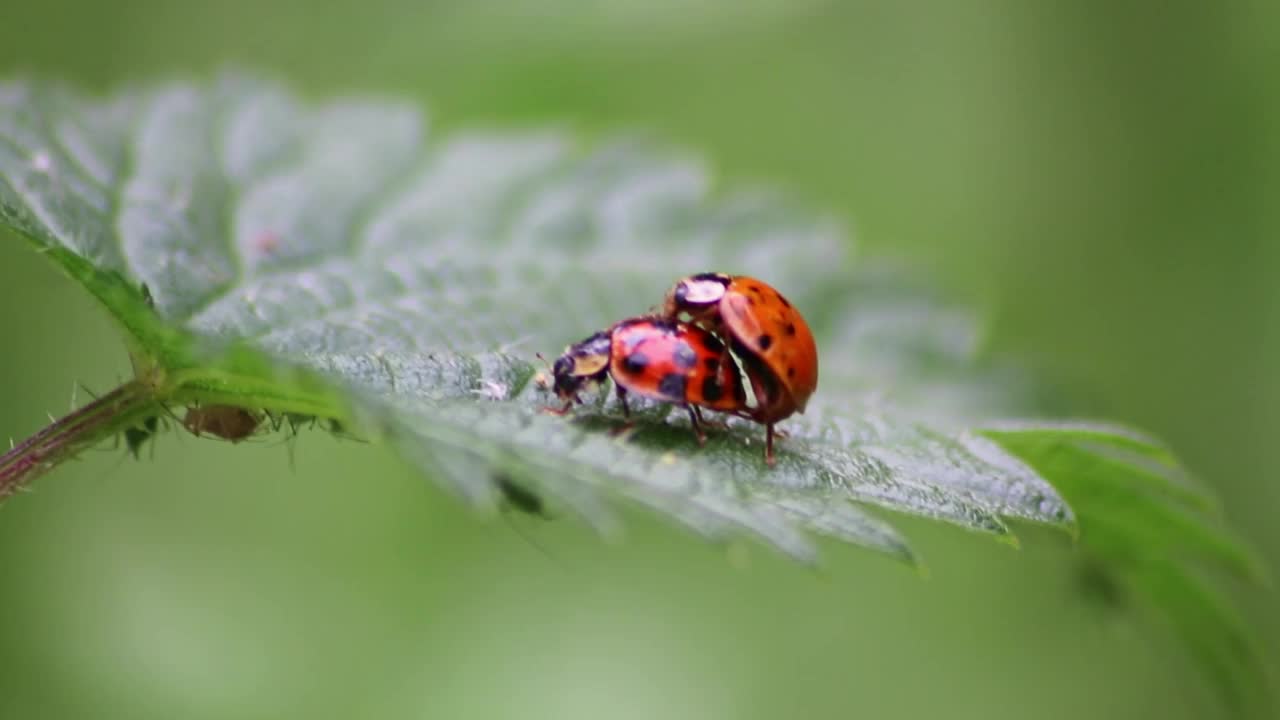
<point x="339" y="260"/>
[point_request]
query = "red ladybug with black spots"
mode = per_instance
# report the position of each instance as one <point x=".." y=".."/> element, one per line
<point x="764" y="330"/>
<point x="654" y="358"/>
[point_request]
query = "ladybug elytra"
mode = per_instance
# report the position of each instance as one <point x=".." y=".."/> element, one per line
<point x="653" y="358"/>
<point x="765" y="330"/>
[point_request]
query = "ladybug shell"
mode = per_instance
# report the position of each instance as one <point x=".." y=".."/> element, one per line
<point x="675" y="363"/>
<point x="761" y="323"/>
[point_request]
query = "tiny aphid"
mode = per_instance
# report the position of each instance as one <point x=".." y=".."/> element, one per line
<point x="491" y="390"/>
<point x="224" y="421"/>
<point x="266" y="243"/>
<point x="137" y="436"/>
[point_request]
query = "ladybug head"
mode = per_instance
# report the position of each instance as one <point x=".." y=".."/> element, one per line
<point x="566" y="383"/>
<point x="587" y="361"/>
<point x="695" y="294"/>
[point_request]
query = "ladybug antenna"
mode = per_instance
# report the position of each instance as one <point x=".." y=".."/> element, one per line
<point x="544" y="380"/>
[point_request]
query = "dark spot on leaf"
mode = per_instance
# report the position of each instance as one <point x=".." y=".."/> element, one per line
<point x="685" y="357"/>
<point x="518" y="496"/>
<point x="635" y="362"/>
<point x="338" y="428"/>
<point x="672" y="386"/>
<point x="764" y="341"/>
<point x="1100" y="586"/>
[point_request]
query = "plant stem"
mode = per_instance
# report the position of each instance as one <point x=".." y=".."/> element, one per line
<point x="71" y="433"/>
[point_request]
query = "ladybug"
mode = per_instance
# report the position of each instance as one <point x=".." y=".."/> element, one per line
<point x="655" y="358"/>
<point x="764" y="330"/>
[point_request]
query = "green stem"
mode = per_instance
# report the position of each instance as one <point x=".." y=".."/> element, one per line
<point x="85" y="427"/>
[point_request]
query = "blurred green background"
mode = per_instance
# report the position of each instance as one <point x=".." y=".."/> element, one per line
<point x="1099" y="179"/>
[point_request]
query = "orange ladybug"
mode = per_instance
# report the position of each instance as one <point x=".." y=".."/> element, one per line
<point x="653" y="358"/>
<point x="778" y="353"/>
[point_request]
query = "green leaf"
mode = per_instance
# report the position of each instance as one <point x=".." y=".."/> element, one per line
<point x="340" y="261"/>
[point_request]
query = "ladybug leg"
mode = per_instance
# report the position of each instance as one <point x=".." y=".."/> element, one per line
<point x="769" y="459"/>
<point x="694" y="418"/>
<point x="709" y="423"/>
<point x="622" y="399"/>
<point x="562" y="410"/>
<point x="628" y="423"/>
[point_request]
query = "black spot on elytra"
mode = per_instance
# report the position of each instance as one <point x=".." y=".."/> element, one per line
<point x="791" y="372"/>
<point x="764" y="341"/>
<point x="751" y="301"/>
<point x="712" y="364"/>
<point x="711" y="389"/>
<point x="635" y="362"/>
<point x="782" y="299"/>
<point x="791" y="328"/>
<point x="712" y="343"/>
<point x="672" y="386"/>
<point x="685" y="358"/>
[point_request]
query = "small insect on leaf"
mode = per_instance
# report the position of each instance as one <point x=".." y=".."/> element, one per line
<point x="224" y="421"/>
<point x="137" y="436"/>
<point x="519" y="497"/>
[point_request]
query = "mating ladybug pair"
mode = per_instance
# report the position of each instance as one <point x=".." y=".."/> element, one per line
<point x="713" y="330"/>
